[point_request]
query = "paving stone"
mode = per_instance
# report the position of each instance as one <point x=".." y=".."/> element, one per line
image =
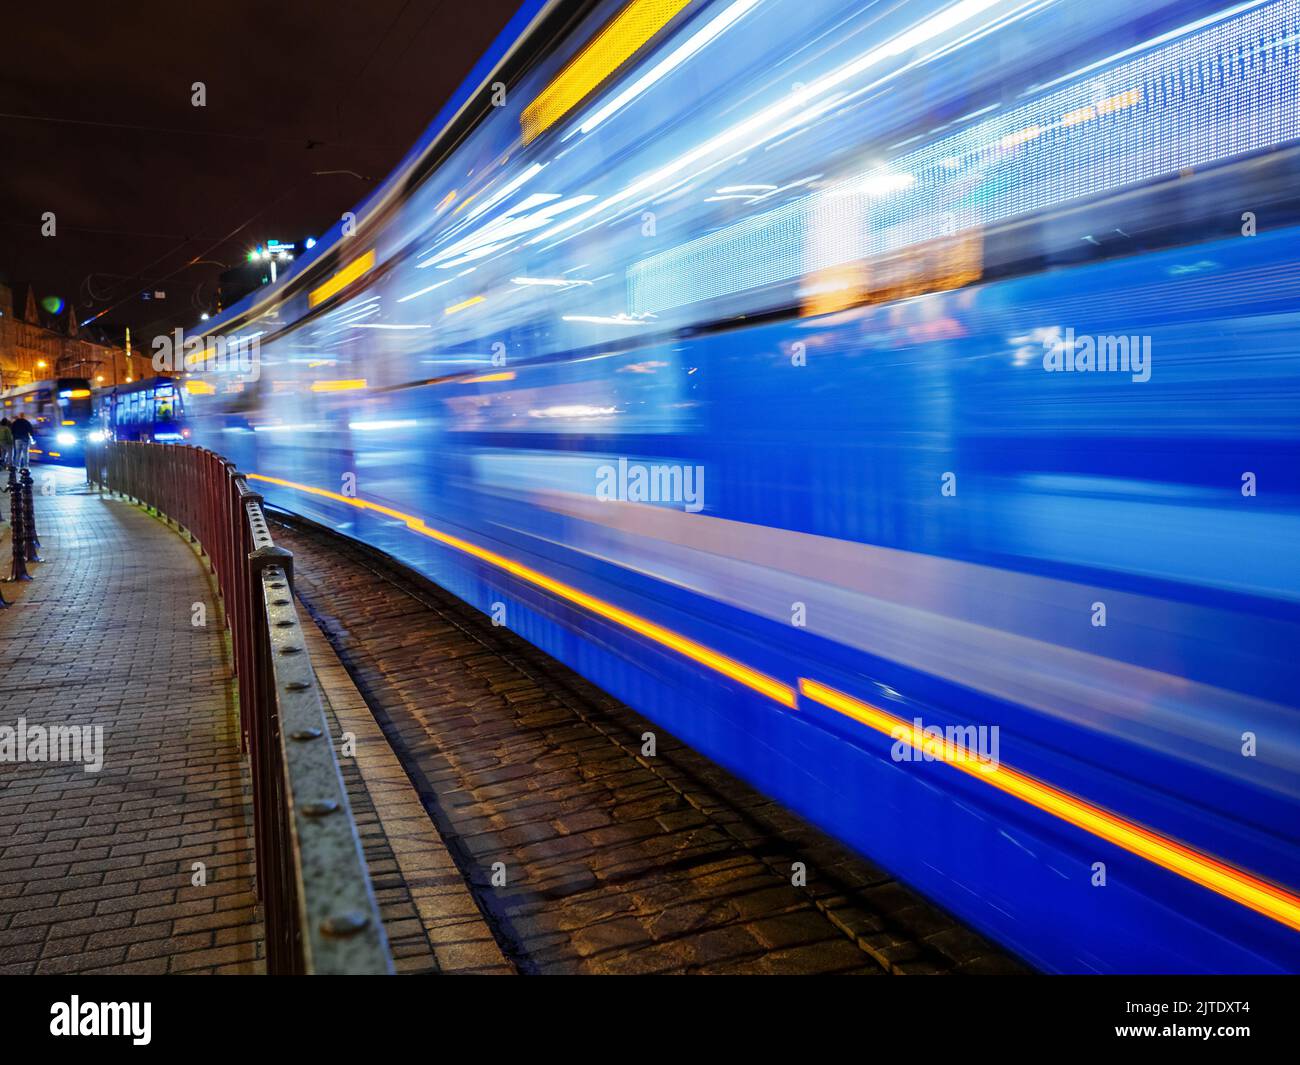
<point x="614" y="862"/>
<point x="102" y="638"/>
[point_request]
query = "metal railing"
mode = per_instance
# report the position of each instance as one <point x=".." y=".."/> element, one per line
<point x="320" y="912"/>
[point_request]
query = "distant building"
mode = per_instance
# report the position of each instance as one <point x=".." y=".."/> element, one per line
<point x="35" y="344"/>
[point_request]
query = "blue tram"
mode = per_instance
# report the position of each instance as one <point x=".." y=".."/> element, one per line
<point x="898" y="402"/>
<point x="61" y="414"/>
<point x="152" y="410"/>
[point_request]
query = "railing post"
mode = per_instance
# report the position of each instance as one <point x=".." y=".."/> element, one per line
<point x="264" y="744"/>
<point x="17" y="529"/>
<point x="321" y="913"/>
<point x="31" y="542"/>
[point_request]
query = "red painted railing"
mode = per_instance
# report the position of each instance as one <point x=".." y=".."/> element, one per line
<point x="320" y="910"/>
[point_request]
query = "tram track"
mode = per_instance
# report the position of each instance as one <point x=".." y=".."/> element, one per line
<point x="613" y="861"/>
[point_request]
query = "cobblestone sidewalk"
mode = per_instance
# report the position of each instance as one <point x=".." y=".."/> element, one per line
<point x="98" y="870"/>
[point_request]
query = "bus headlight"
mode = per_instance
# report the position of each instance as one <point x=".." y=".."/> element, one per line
<point x="97" y="437"/>
<point x="65" y="439"/>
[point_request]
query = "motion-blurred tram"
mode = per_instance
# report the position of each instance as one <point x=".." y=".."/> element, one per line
<point x="895" y="400"/>
<point x="59" y="410"/>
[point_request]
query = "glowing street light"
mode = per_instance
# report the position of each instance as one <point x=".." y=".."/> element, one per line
<point x="274" y="253"/>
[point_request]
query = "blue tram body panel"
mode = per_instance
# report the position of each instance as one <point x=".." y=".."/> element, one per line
<point x="768" y="369"/>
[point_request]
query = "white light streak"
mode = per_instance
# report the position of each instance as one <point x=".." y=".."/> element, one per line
<point x="383" y="425"/>
<point x="666" y="66"/>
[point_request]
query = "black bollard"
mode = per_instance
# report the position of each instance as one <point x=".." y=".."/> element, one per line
<point x="16" y="529"/>
<point x="31" y="543"/>
<point x="15" y="504"/>
<point x="4" y="603"/>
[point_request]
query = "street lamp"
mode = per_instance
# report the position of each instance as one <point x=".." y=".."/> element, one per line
<point x="274" y="252"/>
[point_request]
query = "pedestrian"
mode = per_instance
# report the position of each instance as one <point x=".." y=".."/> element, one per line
<point x="23" y="435"/>
<point x="6" y="443"/>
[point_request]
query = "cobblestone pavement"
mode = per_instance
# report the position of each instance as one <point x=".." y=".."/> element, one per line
<point x="615" y="863"/>
<point x="97" y="868"/>
<point x="430" y="917"/>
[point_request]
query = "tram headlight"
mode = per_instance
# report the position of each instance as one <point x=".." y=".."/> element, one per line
<point x="66" y="439"/>
<point x="97" y="437"/>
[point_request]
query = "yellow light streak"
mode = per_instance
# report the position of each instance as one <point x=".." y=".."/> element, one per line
<point x="463" y="304"/>
<point x="359" y="266"/>
<point x="720" y="663"/>
<point x="355" y="384"/>
<point x="1223" y="879"/>
<point x="620" y="39"/>
<point x="1208" y="872"/>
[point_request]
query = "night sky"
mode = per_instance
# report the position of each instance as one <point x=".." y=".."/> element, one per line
<point x="97" y="125"/>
